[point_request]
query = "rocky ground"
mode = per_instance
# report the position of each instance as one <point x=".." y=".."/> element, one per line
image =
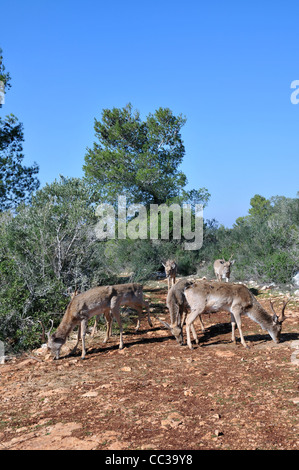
<point x="155" y="394"/>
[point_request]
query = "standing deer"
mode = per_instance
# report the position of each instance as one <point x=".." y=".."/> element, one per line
<point x="211" y="297"/>
<point x="171" y="271"/>
<point x="104" y="300"/>
<point x="178" y="309"/>
<point x="131" y="296"/>
<point x="222" y="268"/>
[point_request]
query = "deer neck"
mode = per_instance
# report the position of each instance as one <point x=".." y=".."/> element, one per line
<point x="261" y="316"/>
<point x="65" y="327"/>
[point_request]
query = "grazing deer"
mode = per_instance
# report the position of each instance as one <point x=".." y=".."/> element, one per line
<point x="178" y="307"/>
<point x="100" y="300"/>
<point x="107" y="317"/>
<point x="212" y="297"/>
<point x="171" y="271"/>
<point x="103" y="300"/>
<point x="222" y="268"/>
<point x="130" y="295"/>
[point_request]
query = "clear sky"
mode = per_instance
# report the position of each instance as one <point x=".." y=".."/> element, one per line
<point x="225" y="65"/>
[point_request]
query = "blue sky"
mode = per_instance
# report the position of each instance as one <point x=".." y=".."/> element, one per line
<point x="226" y="66"/>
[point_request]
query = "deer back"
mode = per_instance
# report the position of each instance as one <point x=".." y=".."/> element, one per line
<point x="208" y="297"/>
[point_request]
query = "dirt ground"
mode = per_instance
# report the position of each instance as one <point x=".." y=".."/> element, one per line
<point x="157" y="395"/>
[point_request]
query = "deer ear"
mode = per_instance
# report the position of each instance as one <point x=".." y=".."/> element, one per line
<point x="275" y="319"/>
<point x="173" y="265"/>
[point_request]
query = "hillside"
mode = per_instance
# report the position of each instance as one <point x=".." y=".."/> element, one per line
<point x="154" y="394"/>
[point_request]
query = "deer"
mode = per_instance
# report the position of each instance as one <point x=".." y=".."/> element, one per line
<point x="178" y="309"/>
<point x="211" y="297"/>
<point x="107" y="317"/>
<point x="222" y="268"/>
<point x="171" y="271"/>
<point x="103" y="300"/>
<point x="132" y="296"/>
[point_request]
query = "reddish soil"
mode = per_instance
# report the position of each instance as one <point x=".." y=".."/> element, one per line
<point x="155" y="394"/>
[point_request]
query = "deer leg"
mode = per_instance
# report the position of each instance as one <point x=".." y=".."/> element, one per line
<point x="78" y="339"/>
<point x="109" y="320"/>
<point x="237" y="315"/>
<point x="115" y="312"/>
<point x="201" y="324"/>
<point x="95" y="326"/>
<point x="233" y="323"/>
<point x="195" y="337"/>
<point x="190" y="319"/>
<point x="146" y="305"/>
<point x="192" y="326"/>
<point x="139" y="311"/>
<point x="83" y="333"/>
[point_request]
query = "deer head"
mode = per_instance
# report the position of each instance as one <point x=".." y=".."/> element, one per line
<point x="277" y="321"/>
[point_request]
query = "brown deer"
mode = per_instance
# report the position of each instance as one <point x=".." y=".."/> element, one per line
<point x="178" y="309"/>
<point x="171" y="271"/>
<point x="103" y="300"/>
<point x="106" y="314"/>
<point x="222" y="268"/>
<point x="211" y="297"/>
<point x="131" y="296"/>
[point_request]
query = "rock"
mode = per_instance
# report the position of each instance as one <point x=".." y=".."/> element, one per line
<point x="268" y="286"/>
<point x="296" y="279"/>
<point x="295" y="400"/>
<point x="173" y="420"/>
<point x="222" y="353"/>
<point x="90" y="395"/>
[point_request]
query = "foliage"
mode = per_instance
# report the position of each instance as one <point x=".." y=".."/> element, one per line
<point x="46" y="248"/>
<point x="264" y="243"/>
<point x="139" y="159"/>
<point x="48" y="241"/>
<point x="17" y="182"/>
<point x="4" y="76"/>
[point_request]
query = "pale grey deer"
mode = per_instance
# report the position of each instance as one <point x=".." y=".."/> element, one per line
<point x="170" y="271"/>
<point x="222" y="268"/>
<point x="178" y="310"/>
<point x="210" y="297"/>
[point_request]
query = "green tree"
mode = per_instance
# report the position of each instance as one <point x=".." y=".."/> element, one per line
<point x="260" y="206"/>
<point x="4" y="76"/>
<point x="137" y="158"/>
<point x="17" y="182"/>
